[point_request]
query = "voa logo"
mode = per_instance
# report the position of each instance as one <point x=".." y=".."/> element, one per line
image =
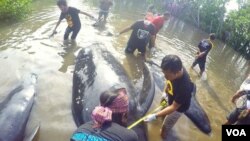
<point x="236" y="132"/>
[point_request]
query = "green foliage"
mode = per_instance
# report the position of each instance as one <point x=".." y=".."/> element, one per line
<point x="205" y="14"/>
<point x="150" y="1"/>
<point x="209" y="15"/>
<point x="238" y="25"/>
<point x="13" y="9"/>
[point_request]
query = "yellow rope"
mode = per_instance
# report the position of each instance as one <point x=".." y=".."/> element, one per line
<point x="163" y="104"/>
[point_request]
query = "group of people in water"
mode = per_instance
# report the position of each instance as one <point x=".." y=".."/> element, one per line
<point x="110" y="118"/>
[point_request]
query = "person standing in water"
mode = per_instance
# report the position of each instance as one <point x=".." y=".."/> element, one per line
<point x="204" y="47"/>
<point x="142" y="32"/>
<point x="158" y="23"/>
<point x="178" y="90"/>
<point x="104" y="9"/>
<point x="71" y="14"/>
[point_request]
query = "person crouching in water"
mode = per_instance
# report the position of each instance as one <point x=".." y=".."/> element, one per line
<point x="142" y="32"/>
<point x="241" y="114"/>
<point x="178" y="90"/>
<point x="109" y="120"/>
<point x="71" y="14"/>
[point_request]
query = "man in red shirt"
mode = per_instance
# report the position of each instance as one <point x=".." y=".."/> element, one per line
<point x="158" y="23"/>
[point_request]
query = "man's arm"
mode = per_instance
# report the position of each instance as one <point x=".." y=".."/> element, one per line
<point x="57" y="24"/>
<point x="168" y="110"/>
<point x="201" y="54"/>
<point x="87" y="14"/>
<point x="238" y="94"/>
<point x="133" y="26"/>
<point x="125" y="30"/>
<point x="153" y="37"/>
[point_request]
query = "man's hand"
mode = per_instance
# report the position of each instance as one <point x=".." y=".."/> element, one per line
<point x="150" y="118"/>
<point x="164" y="96"/>
<point x="153" y="49"/>
<point x="244" y="114"/>
<point x="53" y="33"/>
<point x="117" y="34"/>
<point x="92" y="17"/>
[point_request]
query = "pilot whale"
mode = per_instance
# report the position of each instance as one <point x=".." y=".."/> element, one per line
<point x="15" y="111"/>
<point x="97" y="70"/>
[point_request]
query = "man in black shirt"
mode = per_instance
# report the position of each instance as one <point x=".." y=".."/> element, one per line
<point x="72" y="17"/>
<point x="140" y="36"/>
<point x="178" y="90"/>
<point x="204" y="47"/>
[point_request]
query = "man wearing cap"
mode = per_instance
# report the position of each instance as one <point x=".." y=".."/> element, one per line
<point x="109" y="120"/>
<point x="241" y="114"/>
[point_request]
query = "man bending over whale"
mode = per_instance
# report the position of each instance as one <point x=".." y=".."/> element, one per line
<point x="178" y="90"/>
<point x="142" y="32"/>
<point x="109" y="119"/>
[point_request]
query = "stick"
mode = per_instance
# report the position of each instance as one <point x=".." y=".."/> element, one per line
<point x="52" y="34"/>
<point x="152" y="63"/>
<point x="141" y="119"/>
<point x="163" y="104"/>
<point x="97" y="21"/>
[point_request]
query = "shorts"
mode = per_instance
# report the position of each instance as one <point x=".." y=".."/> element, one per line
<point x="170" y="120"/>
<point x="74" y="31"/>
<point x="202" y="64"/>
<point x="103" y="13"/>
<point x="132" y="48"/>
